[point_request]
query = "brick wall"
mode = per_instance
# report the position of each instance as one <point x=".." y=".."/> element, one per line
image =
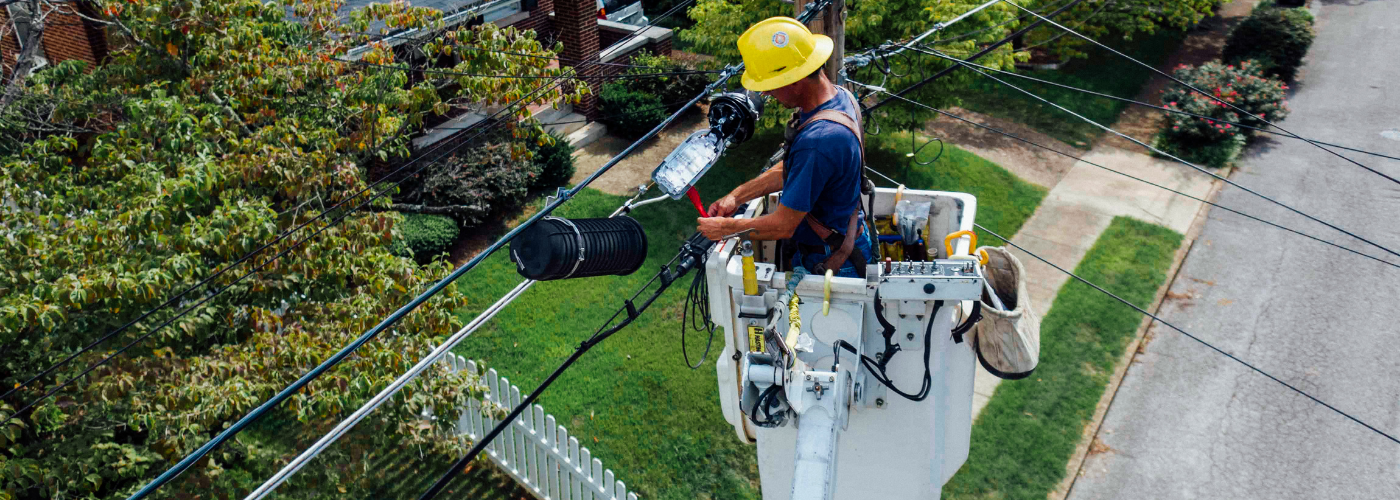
<point x="576" y="22"/>
<point x="539" y="19"/>
<point x="66" y="36"/>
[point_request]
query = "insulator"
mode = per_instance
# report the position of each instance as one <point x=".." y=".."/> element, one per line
<point x="557" y="248"/>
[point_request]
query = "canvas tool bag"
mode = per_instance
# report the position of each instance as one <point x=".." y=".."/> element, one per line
<point x="1007" y="341"/>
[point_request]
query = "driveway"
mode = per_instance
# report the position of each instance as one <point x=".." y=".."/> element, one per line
<point x="1190" y="423"/>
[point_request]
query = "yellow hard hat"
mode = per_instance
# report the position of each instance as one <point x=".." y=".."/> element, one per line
<point x="779" y="51"/>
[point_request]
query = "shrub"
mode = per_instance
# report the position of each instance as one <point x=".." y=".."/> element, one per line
<point x="554" y="160"/>
<point x="424" y="236"/>
<point x="628" y="113"/>
<point x="1276" y="37"/>
<point x="673" y="90"/>
<point x="1242" y="86"/>
<point x="1216" y="154"/>
<point x="479" y="181"/>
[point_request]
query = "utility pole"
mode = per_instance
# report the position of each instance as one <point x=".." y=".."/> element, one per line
<point x="831" y="22"/>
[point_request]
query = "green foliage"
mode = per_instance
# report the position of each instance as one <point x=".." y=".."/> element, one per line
<point x="1218" y="153"/>
<point x="673" y="90"/>
<point x="1113" y="21"/>
<point x="1275" y="37"/>
<point x="628" y="113"/>
<point x="989" y="97"/>
<point x="213" y="128"/>
<point x="427" y="236"/>
<point x="720" y="22"/>
<point x="1243" y="86"/>
<point x="477" y="182"/>
<point x="554" y="160"/>
<point x="1027" y="432"/>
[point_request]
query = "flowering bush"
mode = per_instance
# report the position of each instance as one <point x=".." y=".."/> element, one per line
<point x="1242" y="86"/>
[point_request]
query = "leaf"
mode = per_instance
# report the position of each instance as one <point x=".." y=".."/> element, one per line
<point x="174" y="52"/>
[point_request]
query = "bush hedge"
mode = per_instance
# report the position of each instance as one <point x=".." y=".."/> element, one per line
<point x="1276" y="37"/>
<point x="423" y="236"/>
<point x="673" y="90"/>
<point x="628" y="113"/>
<point x="1207" y="140"/>
<point x="554" y="160"/>
<point x="480" y="181"/>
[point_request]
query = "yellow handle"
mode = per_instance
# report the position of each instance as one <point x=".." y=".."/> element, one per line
<point x="898" y="194"/>
<point x="826" y="293"/>
<point x="982" y="252"/>
<point x="750" y="275"/>
<point x="948" y="241"/>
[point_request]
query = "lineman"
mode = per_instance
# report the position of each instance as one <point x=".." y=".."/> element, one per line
<point x="820" y="175"/>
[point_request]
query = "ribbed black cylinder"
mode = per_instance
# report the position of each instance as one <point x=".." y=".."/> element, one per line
<point x="549" y="249"/>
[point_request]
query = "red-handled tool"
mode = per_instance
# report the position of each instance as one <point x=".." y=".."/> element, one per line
<point x="694" y="196"/>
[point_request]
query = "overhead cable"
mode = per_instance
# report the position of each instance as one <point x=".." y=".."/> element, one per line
<point x="1173" y="111"/>
<point x="393" y="318"/>
<point x="1130" y="176"/>
<point x="985" y="50"/>
<point x="1158" y="151"/>
<point x="1202" y="92"/>
<point x="1154" y="317"/>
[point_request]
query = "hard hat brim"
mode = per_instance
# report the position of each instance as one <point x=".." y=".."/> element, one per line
<point x="821" y="51"/>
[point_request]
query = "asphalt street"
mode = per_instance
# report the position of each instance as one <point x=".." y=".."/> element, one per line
<point x="1189" y="422"/>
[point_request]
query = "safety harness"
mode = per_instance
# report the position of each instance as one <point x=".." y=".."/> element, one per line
<point x="843" y="245"/>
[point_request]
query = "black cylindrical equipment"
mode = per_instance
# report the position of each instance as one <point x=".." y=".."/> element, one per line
<point x="734" y="114"/>
<point x="556" y="248"/>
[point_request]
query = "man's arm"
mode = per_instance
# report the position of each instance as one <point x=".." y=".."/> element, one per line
<point x="763" y="185"/>
<point x="775" y="226"/>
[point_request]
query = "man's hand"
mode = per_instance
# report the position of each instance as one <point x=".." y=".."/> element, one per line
<point x="714" y="228"/>
<point x="724" y="207"/>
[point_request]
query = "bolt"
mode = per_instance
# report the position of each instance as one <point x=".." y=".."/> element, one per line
<point x="809" y="376"/>
<point x="831" y="379"/>
<point x="910" y="336"/>
<point x="879" y="402"/>
<point x="879" y="356"/>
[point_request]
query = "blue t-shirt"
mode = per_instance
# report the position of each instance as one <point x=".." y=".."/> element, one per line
<point x="822" y="172"/>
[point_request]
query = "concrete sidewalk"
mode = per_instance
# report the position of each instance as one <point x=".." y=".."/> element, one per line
<point x="1080" y="206"/>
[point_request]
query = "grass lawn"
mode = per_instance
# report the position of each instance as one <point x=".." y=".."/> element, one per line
<point x="630" y="399"/>
<point x="1101" y="71"/>
<point x="1027" y="432"/>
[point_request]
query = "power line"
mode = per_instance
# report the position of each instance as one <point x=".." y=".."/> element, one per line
<point x="561" y="59"/>
<point x="245" y="258"/>
<point x="1204" y="93"/>
<point x="1174" y="111"/>
<point x="1124" y="174"/>
<point x="1191" y="336"/>
<point x="985" y="50"/>
<point x="973" y="33"/>
<point x="393" y="318"/>
<point x="532" y="77"/>
<point x="1158" y="151"/>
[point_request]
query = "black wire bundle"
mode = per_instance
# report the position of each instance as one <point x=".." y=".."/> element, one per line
<point x="697" y="308"/>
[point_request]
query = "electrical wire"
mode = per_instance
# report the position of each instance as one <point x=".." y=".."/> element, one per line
<point x="393" y="318"/>
<point x="985" y="50"/>
<point x="697" y="308"/>
<point x="1082" y="22"/>
<point x="210" y="296"/>
<point x="1139" y="179"/>
<point x="1204" y="93"/>
<point x="530" y="77"/>
<point x="1160" y="152"/>
<point x="1173" y="111"/>
<point x="970" y="34"/>
<point x="1191" y="336"/>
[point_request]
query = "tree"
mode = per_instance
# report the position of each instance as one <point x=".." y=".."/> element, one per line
<point x="215" y="127"/>
<point x="1109" y="20"/>
<point x="720" y="22"/>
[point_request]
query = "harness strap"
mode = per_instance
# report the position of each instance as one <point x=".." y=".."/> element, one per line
<point x="843" y="245"/>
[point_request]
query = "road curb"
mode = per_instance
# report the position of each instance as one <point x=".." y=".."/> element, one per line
<point x="1075" y="466"/>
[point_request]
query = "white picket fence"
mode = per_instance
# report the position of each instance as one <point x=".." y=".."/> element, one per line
<point x="534" y="450"/>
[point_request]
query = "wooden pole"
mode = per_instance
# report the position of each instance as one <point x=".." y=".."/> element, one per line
<point x="834" y="26"/>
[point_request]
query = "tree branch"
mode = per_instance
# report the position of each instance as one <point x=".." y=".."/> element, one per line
<point x="462" y="210"/>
